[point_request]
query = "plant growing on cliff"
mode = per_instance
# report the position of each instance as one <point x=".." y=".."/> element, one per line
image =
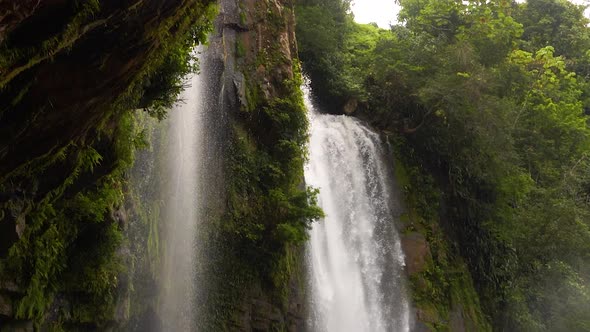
<point x="67" y="196"/>
<point x="269" y="209"/>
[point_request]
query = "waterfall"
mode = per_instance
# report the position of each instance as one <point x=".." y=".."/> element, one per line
<point x="356" y="261"/>
<point x="180" y="206"/>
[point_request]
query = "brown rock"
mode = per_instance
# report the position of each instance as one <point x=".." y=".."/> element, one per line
<point x="261" y="315"/>
<point x="6" y="306"/>
<point x="457" y="322"/>
<point x="350" y="106"/>
<point x="416" y="250"/>
<point x="10" y="286"/>
<point x="427" y="315"/>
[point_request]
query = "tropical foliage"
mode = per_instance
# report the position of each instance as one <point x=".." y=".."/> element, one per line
<point x="68" y="204"/>
<point x="491" y="99"/>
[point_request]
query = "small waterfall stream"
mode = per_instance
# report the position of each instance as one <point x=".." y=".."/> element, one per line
<point x="356" y="261"/>
<point x="180" y="213"/>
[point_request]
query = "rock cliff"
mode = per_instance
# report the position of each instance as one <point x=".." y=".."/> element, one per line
<point x="254" y="275"/>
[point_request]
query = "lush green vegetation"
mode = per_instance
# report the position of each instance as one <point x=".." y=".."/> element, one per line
<point x="491" y="100"/>
<point x="258" y="240"/>
<point x="443" y="288"/>
<point x="268" y="209"/>
<point x="67" y="261"/>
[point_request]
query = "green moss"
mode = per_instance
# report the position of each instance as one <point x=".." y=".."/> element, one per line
<point x="69" y="242"/>
<point x="240" y="50"/>
<point x="157" y="85"/>
<point x="69" y="245"/>
<point x="268" y="209"/>
<point x="243" y="18"/>
<point x="444" y="285"/>
<point x="73" y="30"/>
<point x="252" y="97"/>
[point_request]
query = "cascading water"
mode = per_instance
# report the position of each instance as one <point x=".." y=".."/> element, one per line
<point x="356" y="261"/>
<point x="181" y="210"/>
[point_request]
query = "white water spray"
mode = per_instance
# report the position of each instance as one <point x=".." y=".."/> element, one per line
<point x="357" y="272"/>
<point x="180" y="210"/>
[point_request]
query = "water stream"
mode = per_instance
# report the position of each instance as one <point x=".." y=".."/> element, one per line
<point x="356" y="261"/>
<point x="181" y="209"/>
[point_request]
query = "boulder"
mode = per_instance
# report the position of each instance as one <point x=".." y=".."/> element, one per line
<point x="350" y="106"/>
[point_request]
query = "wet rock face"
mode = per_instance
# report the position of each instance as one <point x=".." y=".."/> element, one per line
<point x="259" y="313"/>
<point x="457" y="321"/>
<point x="350" y="107"/>
<point x="417" y="252"/>
<point x="5" y="306"/>
<point x="249" y="31"/>
<point x="12" y="13"/>
<point x="9" y="290"/>
<point x="12" y="225"/>
<point x="48" y="100"/>
<point x="9" y="286"/>
<point x="254" y="45"/>
<point x="8" y="236"/>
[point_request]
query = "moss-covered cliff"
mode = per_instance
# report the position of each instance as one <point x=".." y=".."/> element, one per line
<point x="70" y="74"/>
<point x="443" y="294"/>
<point x="254" y="272"/>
